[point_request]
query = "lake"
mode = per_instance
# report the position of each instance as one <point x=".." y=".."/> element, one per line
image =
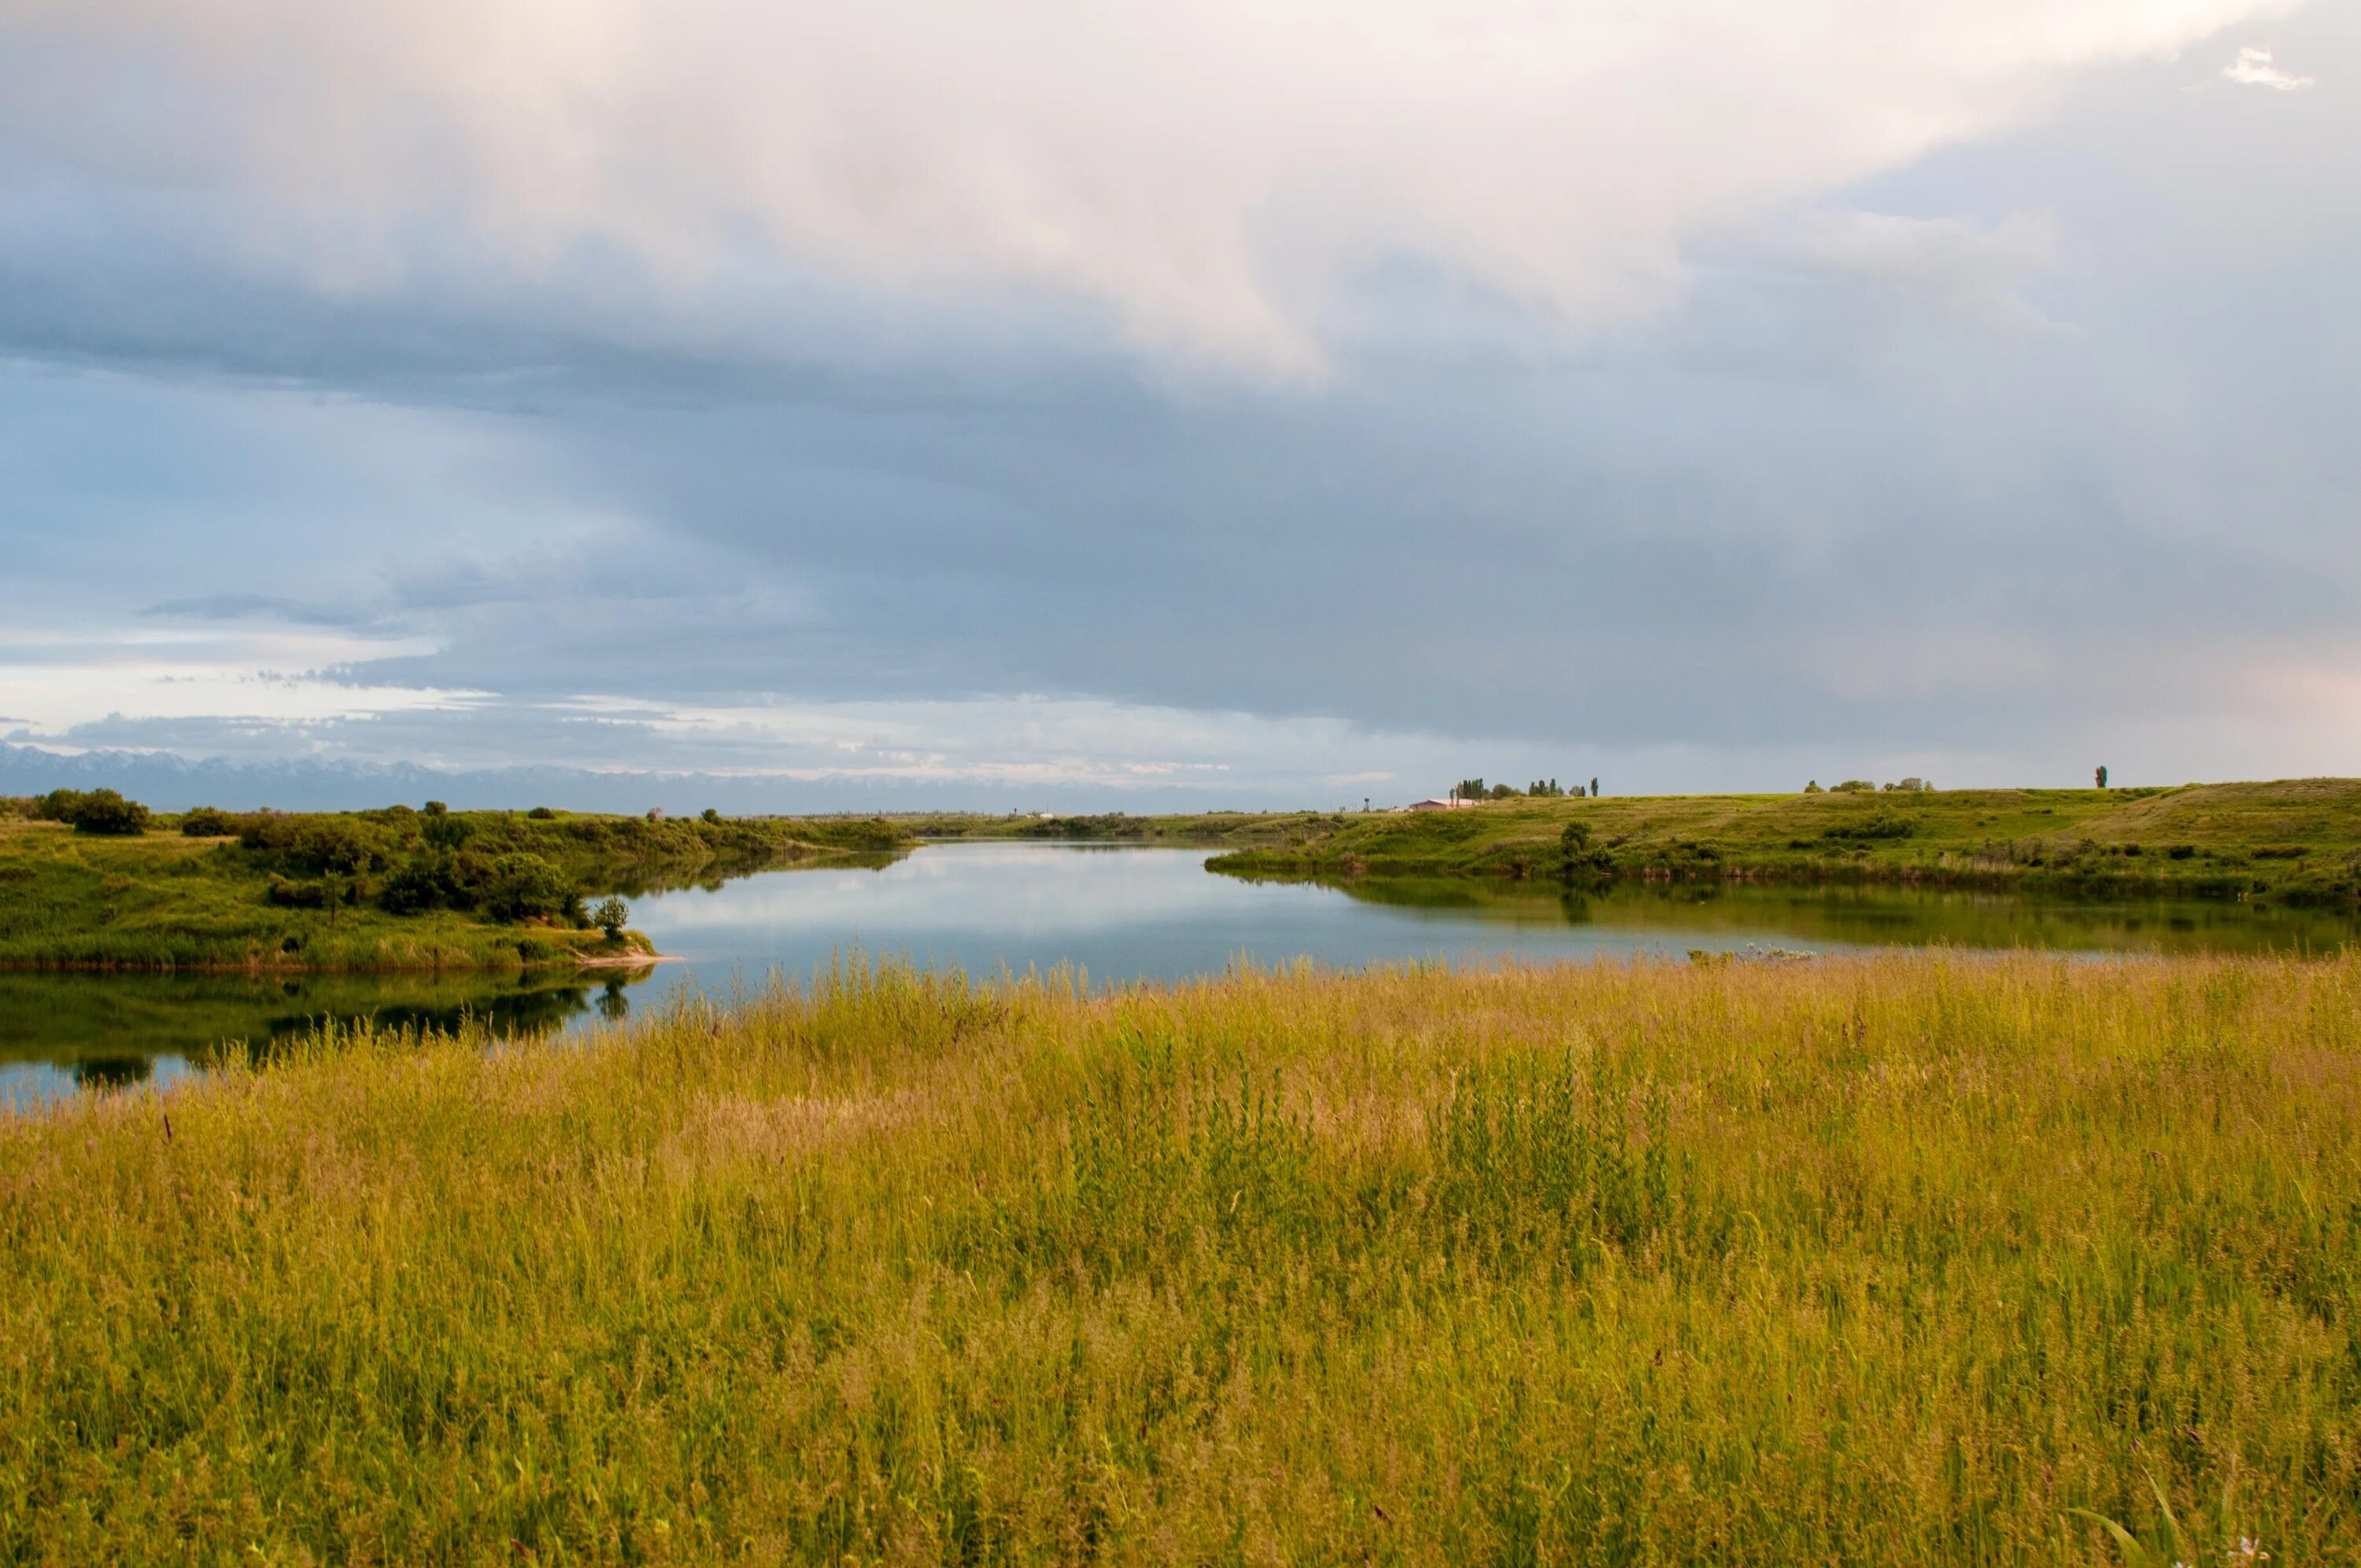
<point x="1114" y="913"/>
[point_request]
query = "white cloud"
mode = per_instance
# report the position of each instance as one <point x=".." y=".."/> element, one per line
<point x="58" y="680"/>
<point x="2253" y="68"/>
<point x="1203" y="170"/>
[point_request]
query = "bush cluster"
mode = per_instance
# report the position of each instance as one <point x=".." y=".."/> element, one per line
<point x="210" y="822"/>
<point x="409" y="863"/>
<point x="94" y="811"/>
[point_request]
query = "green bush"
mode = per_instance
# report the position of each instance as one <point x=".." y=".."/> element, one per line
<point x="1881" y="823"/>
<point x="422" y="881"/>
<point x="443" y="830"/>
<point x="290" y="894"/>
<point x="105" y="811"/>
<point x="210" y="822"/>
<point x="56" y="805"/>
<point x="525" y="887"/>
<point x="318" y="845"/>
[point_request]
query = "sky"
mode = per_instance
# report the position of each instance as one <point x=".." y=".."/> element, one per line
<point x="1182" y="405"/>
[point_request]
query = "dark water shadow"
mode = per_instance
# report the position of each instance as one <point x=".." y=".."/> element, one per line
<point x="1851" y="916"/>
<point x="116" y="1030"/>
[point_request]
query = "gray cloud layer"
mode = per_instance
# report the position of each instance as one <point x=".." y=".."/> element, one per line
<point x="2026" y="441"/>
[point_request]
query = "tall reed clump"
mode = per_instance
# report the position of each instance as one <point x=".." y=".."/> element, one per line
<point x="1907" y="1259"/>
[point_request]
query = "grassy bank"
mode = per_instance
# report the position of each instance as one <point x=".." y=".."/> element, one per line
<point x="1905" y="1260"/>
<point x="353" y="891"/>
<point x="2298" y="840"/>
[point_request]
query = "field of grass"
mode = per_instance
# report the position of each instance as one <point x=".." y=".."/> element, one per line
<point x="1911" y="1260"/>
<point x="2297" y="841"/>
<point x="161" y="900"/>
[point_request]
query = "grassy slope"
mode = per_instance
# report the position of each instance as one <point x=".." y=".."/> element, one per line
<point x="160" y="900"/>
<point x="1900" y="1260"/>
<point x="2299" y="839"/>
<point x="1211" y="828"/>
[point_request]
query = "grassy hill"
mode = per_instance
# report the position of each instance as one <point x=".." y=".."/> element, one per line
<point x="2296" y="840"/>
<point x="351" y="891"/>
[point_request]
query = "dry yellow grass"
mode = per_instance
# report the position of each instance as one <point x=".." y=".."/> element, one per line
<point x="1895" y="1260"/>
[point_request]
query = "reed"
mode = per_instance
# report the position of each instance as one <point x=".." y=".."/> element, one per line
<point x="1906" y="1259"/>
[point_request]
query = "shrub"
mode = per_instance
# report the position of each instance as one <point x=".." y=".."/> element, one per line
<point x="57" y="806"/>
<point x="1812" y="786"/>
<point x="1856" y="786"/>
<point x="1879" y="824"/>
<point x="1577" y="854"/>
<point x="336" y="844"/>
<point x="610" y="917"/>
<point x="209" y="822"/>
<point x="290" y="894"/>
<point x="709" y="814"/>
<point x="445" y="831"/>
<point x="104" y="811"/>
<point x="525" y="887"/>
<point x="422" y="882"/>
<point x="541" y="814"/>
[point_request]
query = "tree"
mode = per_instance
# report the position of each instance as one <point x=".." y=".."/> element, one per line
<point x="2102" y="776"/>
<point x="709" y="814"/>
<point x="1594" y="789"/>
<point x="1812" y="786"/>
<point x="610" y="916"/>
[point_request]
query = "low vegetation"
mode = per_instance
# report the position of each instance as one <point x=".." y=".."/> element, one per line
<point x="370" y="890"/>
<point x="1907" y="1260"/>
<point x="2297" y="841"/>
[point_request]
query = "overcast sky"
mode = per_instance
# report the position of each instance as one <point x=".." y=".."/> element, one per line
<point x="1196" y="401"/>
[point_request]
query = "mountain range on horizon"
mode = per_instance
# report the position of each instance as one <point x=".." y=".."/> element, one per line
<point x="168" y="782"/>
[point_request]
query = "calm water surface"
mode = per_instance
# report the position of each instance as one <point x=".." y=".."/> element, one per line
<point x="1116" y="913"/>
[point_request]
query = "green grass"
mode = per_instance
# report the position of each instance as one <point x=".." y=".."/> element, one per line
<point x="2297" y="841"/>
<point x="1911" y="1260"/>
<point x="160" y="900"/>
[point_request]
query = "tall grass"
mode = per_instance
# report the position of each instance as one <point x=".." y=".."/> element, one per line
<point x="1913" y="1259"/>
